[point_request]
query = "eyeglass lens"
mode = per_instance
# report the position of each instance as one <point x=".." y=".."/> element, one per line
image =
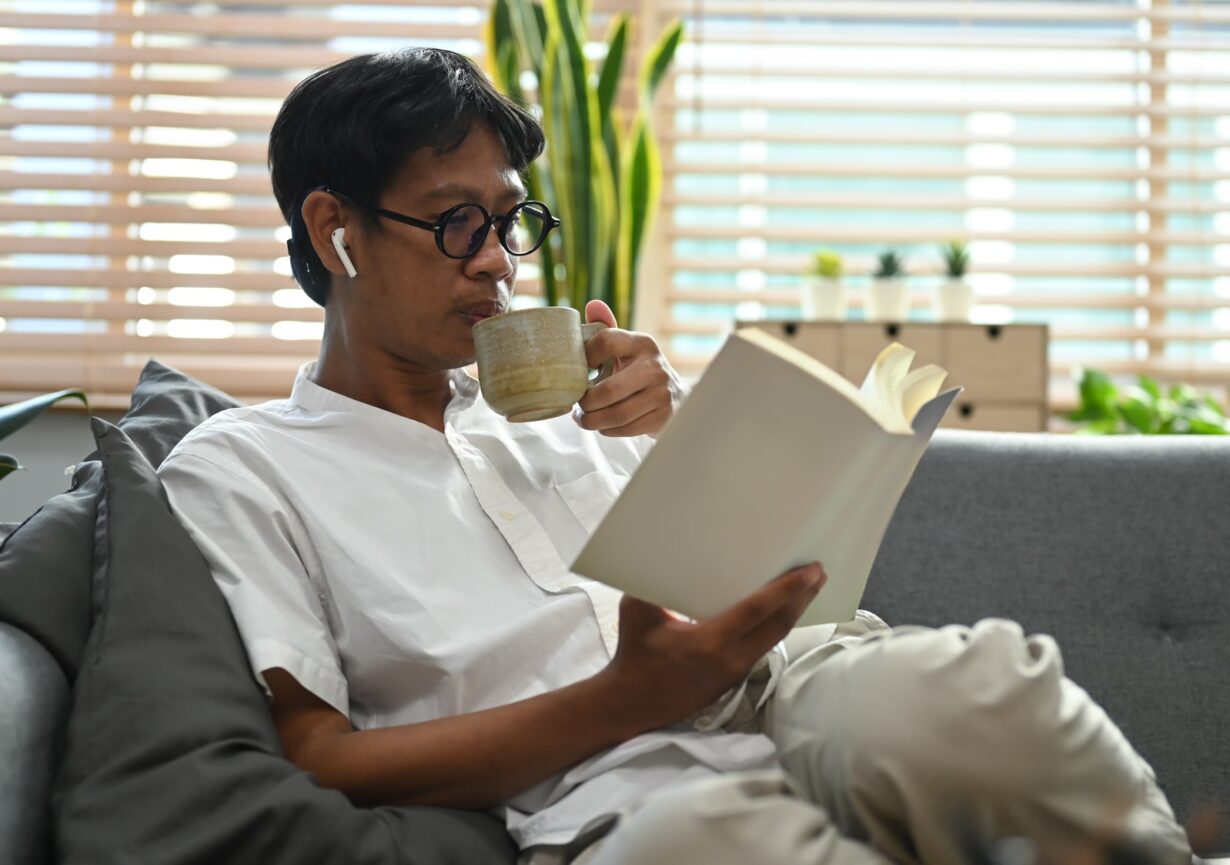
<point x="522" y="230"/>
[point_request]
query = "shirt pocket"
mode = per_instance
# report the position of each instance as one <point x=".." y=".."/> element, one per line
<point x="590" y="496"/>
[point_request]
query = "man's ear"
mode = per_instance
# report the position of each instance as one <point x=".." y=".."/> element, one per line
<point x="322" y="215"/>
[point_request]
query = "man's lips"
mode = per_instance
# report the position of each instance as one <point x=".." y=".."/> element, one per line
<point x="476" y="314"/>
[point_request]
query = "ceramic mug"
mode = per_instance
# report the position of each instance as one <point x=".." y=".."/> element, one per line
<point x="531" y="362"/>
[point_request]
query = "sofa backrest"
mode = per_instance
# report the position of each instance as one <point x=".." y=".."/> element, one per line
<point x="1115" y="546"/>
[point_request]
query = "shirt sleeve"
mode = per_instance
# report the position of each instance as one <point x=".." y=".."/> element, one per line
<point x="246" y="534"/>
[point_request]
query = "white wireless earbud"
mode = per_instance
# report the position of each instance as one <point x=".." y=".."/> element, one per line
<point x="339" y="244"/>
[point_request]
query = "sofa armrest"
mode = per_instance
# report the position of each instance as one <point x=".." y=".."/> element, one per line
<point x="32" y="714"/>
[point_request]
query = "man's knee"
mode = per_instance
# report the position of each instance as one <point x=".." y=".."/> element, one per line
<point x="957" y="714"/>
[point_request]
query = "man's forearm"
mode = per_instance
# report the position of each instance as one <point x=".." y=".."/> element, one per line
<point x="475" y="760"/>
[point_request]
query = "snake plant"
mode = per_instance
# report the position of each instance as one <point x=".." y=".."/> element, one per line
<point x="602" y="175"/>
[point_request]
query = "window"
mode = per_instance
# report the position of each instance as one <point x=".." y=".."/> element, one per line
<point x="136" y="217"/>
<point x="1079" y="146"/>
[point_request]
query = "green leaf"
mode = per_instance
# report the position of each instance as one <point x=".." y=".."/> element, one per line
<point x="14" y="417"/>
<point x="658" y="60"/>
<point x="1206" y="426"/>
<point x="1097" y="391"/>
<point x="1213" y="405"/>
<point x="641" y="190"/>
<point x="1137" y="414"/>
<point x="8" y="465"/>
<point x="1106" y="426"/>
<point x="1151" y="387"/>
<point x="612" y="66"/>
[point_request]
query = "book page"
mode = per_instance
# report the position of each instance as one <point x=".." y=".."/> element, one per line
<point x="882" y="388"/>
<point x="919" y="388"/>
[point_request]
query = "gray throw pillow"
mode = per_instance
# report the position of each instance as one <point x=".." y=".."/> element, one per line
<point x="45" y="566"/>
<point x="46" y="563"/>
<point x="172" y="756"/>
<point x="167" y="405"/>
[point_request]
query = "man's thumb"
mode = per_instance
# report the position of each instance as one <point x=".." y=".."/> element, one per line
<point x="597" y="310"/>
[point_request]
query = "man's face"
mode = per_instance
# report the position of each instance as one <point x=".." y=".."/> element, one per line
<point x="414" y="304"/>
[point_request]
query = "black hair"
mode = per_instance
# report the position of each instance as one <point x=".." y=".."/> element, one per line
<point x="353" y="125"/>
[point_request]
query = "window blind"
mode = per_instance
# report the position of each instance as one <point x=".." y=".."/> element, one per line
<point x="136" y="216"/>
<point x="1080" y="147"/>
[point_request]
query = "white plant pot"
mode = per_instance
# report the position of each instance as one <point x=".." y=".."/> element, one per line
<point x="888" y="300"/>
<point x="954" y="299"/>
<point x="824" y="298"/>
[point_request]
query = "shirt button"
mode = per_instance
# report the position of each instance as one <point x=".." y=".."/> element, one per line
<point x="509" y="515"/>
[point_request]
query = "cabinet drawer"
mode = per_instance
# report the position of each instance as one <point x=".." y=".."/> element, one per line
<point x="861" y="343"/>
<point x="997" y="364"/>
<point x="996" y="416"/>
<point x="821" y="340"/>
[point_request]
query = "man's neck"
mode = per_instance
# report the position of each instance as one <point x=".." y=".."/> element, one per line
<point x="383" y="383"/>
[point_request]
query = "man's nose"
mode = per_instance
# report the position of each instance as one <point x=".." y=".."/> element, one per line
<point x="492" y="259"/>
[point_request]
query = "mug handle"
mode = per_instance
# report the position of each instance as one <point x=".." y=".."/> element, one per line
<point x="587" y="333"/>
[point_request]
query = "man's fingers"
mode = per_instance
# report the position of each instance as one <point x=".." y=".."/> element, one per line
<point x="597" y="310"/>
<point x="778" y="594"/>
<point x="646" y="424"/>
<point x="638" y="377"/>
<point x="616" y="344"/>
<point x="774" y="629"/>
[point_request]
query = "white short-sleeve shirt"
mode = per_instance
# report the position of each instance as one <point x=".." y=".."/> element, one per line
<point x="402" y="574"/>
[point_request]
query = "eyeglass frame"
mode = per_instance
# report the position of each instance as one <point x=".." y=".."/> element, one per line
<point x="437" y="227"/>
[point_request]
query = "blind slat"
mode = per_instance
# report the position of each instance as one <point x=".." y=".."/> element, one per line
<point x="819" y="168"/>
<point x="121" y="214"/>
<point x="881" y="201"/>
<point x="115" y="311"/>
<point x="233" y="26"/>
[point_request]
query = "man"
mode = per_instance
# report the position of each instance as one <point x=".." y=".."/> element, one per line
<point x="394" y="556"/>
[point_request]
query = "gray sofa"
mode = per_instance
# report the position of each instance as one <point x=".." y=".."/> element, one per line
<point x="1117" y="547"/>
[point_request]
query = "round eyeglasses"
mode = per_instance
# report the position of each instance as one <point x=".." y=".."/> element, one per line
<point x="462" y="230"/>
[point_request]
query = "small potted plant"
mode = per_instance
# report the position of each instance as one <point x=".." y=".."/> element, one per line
<point x="954" y="297"/>
<point x="824" y="294"/>
<point x="887" y="297"/>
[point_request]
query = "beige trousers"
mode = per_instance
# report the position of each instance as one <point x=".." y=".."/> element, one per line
<point x="914" y="745"/>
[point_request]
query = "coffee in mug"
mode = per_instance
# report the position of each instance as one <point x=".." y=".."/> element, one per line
<point x="531" y="362"/>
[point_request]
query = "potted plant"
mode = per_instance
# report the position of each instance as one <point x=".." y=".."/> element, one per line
<point x="602" y="170"/>
<point x="887" y="297"/>
<point x="1147" y="409"/>
<point x="824" y="294"/>
<point x="14" y="417"/>
<point x="954" y="297"/>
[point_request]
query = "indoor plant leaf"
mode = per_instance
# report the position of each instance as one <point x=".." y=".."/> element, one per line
<point x="14" y="417"/>
<point x="8" y="464"/>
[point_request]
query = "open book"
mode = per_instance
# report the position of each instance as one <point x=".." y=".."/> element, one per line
<point x="773" y="461"/>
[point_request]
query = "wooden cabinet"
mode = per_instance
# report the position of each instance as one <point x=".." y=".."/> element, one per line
<point x="1002" y="367"/>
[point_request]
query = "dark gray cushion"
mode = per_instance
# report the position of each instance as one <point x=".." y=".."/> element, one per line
<point x="172" y="755"/>
<point x="45" y="566"/>
<point x="33" y="705"/>
<point x="167" y="405"/>
<point x="1115" y="546"/>
<point x="47" y="562"/>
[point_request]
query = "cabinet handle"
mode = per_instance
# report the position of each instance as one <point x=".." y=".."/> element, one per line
<point x="967" y="410"/>
<point x="790" y="328"/>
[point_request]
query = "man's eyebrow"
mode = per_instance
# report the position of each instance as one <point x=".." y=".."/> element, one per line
<point x="457" y="193"/>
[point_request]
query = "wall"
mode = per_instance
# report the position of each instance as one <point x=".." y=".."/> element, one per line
<point x="48" y="445"/>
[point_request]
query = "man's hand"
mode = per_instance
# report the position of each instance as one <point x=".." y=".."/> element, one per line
<point x="643" y="392"/>
<point x="666" y="669"/>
